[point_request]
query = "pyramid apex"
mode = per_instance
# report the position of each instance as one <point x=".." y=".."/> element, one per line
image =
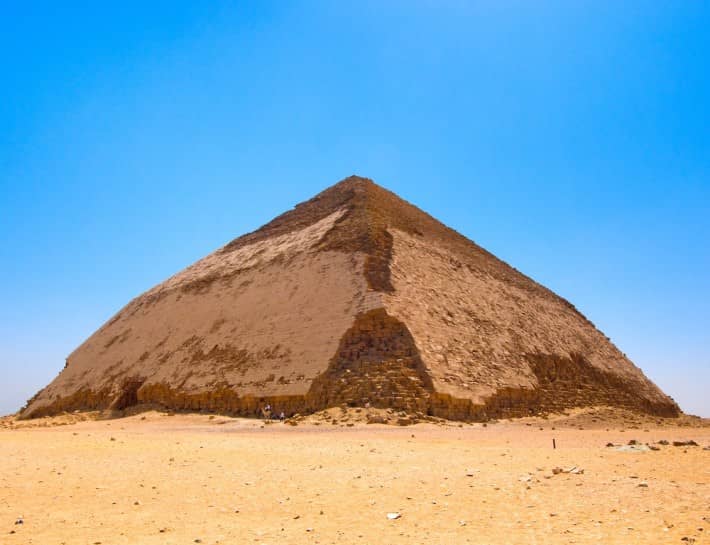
<point x="352" y="182"/>
<point x="356" y="179"/>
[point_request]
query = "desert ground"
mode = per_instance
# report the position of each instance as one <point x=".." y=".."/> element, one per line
<point x="169" y="478"/>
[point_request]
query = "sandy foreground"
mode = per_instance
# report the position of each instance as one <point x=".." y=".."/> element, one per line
<point x="158" y="478"/>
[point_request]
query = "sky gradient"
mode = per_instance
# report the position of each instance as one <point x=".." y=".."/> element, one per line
<point x="571" y="139"/>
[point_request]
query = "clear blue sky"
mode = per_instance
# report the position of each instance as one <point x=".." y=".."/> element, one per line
<point x="572" y="139"/>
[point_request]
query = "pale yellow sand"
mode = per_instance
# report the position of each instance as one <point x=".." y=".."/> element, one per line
<point x="178" y="479"/>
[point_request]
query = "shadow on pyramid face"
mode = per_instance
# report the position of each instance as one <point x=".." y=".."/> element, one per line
<point x="377" y="363"/>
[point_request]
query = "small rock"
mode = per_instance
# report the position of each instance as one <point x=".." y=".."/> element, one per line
<point x="643" y="484"/>
<point x="690" y="443"/>
<point x="632" y="448"/>
<point x="394" y="516"/>
<point x="19" y="521"/>
<point x="574" y="470"/>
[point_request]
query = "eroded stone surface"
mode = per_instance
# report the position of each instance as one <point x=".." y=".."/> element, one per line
<point x="377" y="364"/>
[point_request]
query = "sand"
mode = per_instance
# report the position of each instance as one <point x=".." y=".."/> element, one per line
<point x="161" y="478"/>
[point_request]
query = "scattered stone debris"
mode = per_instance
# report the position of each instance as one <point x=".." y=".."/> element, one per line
<point x="394" y="516"/>
<point x="663" y="442"/>
<point x="633" y="448"/>
<point x="574" y="470"/>
<point x="377" y="419"/>
<point x="689" y="443"/>
<point x="19" y="521"/>
<point x="634" y="445"/>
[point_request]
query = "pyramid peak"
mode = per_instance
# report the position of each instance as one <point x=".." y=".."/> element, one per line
<point x="355" y="180"/>
<point x="356" y="196"/>
<point x="367" y="214"/>
<point x="349" y="186"/>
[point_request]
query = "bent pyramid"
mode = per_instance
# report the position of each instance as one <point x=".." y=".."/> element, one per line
<point x="355" y="297"/>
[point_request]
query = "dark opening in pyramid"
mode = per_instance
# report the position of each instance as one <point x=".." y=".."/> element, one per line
<point x="352" y="297"/>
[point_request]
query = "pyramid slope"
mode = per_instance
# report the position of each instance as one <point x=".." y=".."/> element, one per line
<point x="354" y="296"/>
